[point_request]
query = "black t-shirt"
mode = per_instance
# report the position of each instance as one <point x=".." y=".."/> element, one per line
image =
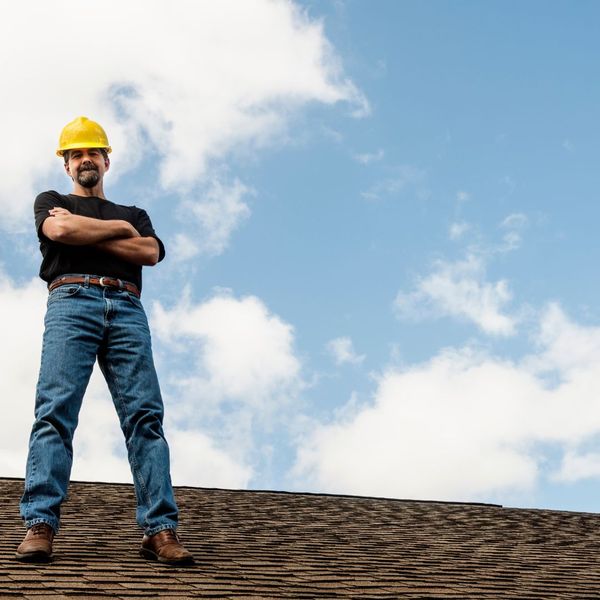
<point x="59" y="259"/>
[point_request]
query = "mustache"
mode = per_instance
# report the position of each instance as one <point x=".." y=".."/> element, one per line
<point x="88" y="167"/>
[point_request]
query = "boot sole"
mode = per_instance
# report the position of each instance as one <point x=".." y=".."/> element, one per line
<point x="34" y="557"/>
<point x="149" y="555"/>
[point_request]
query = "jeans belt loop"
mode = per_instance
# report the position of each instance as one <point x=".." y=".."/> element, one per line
<point x="86" y="283"/>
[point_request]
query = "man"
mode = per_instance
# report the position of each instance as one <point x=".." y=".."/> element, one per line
<point x="93" y="252"/>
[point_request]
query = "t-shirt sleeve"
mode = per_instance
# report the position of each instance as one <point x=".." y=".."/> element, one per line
<point x="43" y="203"/>
<point x="145" y="229"/>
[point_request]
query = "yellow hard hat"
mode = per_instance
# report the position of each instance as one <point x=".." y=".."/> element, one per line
<point x="82" y="133"/>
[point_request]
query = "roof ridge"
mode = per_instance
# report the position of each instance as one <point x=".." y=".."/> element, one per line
<point x="289" y="492"/>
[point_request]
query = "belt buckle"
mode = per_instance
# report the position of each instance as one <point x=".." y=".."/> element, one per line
<point x="102" y="283"/>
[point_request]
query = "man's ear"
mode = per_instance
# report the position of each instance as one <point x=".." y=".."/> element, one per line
<point x="68" y="170"/>
<point x="107" y="163"/>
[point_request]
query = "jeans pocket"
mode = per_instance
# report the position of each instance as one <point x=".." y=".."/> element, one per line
<point x="133" y="299"/>
<point x="63" y="292"/>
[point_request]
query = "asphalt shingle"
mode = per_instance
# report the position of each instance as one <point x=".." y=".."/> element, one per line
<point x="251" y="544"/>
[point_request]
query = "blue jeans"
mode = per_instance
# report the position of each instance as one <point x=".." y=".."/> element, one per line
<point x="85" y="322"/>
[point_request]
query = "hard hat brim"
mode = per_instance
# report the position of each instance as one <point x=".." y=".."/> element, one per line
<point x="79" y="146"/>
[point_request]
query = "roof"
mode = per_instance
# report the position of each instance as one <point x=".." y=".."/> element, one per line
<point x="254" y="544"/>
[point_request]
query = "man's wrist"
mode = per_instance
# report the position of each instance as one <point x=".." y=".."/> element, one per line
<point x="129" y="230"/>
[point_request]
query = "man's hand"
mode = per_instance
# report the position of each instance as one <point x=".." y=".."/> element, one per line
<point x="75" y="230"/>
<point x="58" y="210"/>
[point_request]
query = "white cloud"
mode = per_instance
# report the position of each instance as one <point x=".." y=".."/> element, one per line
<point x="463" y="196"/>
<point x="232" y="372"/>
<point x="217" y="214"/>
<point x="511" y="241"/>
<point x="515" y="221"/>
<point x="183" y="247"/>
<point x="369" y="157"/>
<point x="568" y="348"/>
<point x="193" y="82"/>
<point x="21" y="323"/>
<point x="197" y="461"/>
<point x="459" y="289"/>
<point x="404" y="176"/>
<point x="458" y="229"/>
<point x="513" y="226"/>
<point x="577" y="466"/>
<point x="241" y="350"/>
<point x="342" y="351"/>
<point x="466" y="425"/>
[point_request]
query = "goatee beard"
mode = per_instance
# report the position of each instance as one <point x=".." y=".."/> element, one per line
<point x="88" y="178"/>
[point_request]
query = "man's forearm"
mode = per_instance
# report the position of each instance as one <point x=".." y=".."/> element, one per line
<point x="76" y="230"/>
<point x="137" y="250"/>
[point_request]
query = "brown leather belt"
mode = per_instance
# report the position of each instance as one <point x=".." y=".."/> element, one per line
<point x="110" y="282"/>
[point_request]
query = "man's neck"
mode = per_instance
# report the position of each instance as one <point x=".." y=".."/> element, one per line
<point x="97" y="191"/>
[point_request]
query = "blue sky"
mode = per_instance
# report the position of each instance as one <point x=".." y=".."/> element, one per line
<point x="380" y="227"/>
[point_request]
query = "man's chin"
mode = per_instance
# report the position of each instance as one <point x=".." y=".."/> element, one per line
<point x="88" y="181"/>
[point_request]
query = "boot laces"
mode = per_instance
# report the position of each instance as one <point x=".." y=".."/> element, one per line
<point x="169" y="535"/>
<point x="39" y="529"/>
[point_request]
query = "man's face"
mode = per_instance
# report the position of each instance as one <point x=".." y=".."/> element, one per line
<point x="86" y="166"/>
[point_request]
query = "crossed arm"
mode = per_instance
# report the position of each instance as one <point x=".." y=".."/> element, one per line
<point x="113" y="236"/>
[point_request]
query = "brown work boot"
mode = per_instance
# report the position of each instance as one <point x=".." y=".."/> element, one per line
<point x="166" y="548"/>
<point x="37" y="545"/>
